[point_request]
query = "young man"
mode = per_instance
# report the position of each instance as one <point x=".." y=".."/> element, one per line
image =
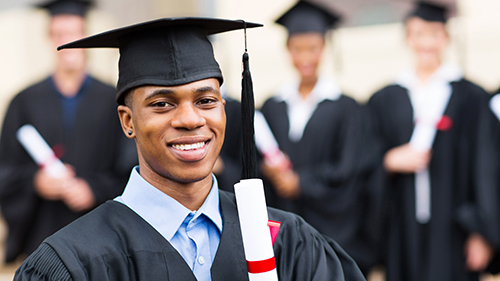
<point x="73" y="113"/>
<point x="172" y="222"/>
<point x="428" y="125"/>
<point x="320" y="131"/>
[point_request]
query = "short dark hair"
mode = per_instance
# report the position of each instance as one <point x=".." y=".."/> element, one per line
<point x="127" y="98"/>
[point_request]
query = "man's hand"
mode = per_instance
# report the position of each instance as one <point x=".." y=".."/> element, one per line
<point x="404" y="159"/>
<point x="285" y="181"/>
<point x="74" y="192"/>
<point x="79" y="197"/>
<point x="478" y="253"/>
<point x="51" y="188"/>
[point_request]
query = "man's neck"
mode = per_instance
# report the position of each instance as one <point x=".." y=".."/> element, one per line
<point x="190" y="195"/>
<point x="68" y="83"/>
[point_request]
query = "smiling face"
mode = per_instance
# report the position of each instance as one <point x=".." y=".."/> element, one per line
<point x="64" y="29"/>
<point x="427" y="40"/>
<point x="306" y="50"/>
<point x="179" y="130"/>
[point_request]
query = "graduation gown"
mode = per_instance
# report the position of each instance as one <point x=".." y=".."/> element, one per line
<point x="328" y="159"/>
<point x="95" y="146"/>
<point x="114" y="243"/>
<point x="486" y="213"/>
<point x="432" y="251"/>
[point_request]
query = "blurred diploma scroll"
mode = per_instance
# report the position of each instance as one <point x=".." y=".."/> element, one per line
<point x="256" y="236"/>
<point x="267" y="144"/>
<point x="40" y="151"/>
<point x="421" y="140"/>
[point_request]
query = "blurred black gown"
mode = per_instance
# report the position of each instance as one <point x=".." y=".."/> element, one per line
<point x="435" y="250"/>
<point x="332" y="165"/>
<point x="92" y="142"/>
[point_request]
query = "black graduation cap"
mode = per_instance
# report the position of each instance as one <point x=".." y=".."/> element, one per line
<point x="72" y="7"/>
<point x="306" y="17"/>
<point x="430" y="12"/>
<point x="176" y="51"/>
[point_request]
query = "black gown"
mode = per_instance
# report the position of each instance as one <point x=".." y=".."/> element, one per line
<point x="114" y="243"/>
<point x="95" y="146"/>
<point x="432" y="251"/>
<point x="488" y="194"/>
<point x="330" y="163"/>
<point x="231" y="149"/>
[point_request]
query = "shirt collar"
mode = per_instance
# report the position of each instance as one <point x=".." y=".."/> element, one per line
<point x="163" y="212"/>
<point x="324" y="89"/>
<point x="446" y="73"/>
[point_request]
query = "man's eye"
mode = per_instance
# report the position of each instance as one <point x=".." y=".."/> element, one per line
<point x="206" y="101"/>
<point x="160" y="104"/>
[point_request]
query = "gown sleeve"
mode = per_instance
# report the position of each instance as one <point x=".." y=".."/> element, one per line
<point x="43" y="264"/>
<point x="18" y="199"/>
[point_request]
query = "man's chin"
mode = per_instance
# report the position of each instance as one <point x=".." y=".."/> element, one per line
<point x="188" y="178"/>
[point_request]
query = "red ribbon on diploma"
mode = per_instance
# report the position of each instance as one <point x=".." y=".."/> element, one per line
<point x="261" y="266"/>
<point x="269" y="264"/>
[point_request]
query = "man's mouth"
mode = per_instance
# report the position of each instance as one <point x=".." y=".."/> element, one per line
<point x="186" y="147"/>
<point x="190" y="150"/>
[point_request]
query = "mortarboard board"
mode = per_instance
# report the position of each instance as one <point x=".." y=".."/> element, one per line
<point x="429" y="12"/>
<point x="176" y="51"/>
<point x="63" y="7"/>
<point x="163" y="52"/>
<point x="306" y="17"/>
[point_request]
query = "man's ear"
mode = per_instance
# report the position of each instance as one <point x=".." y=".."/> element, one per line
<point x="125" y="115"/>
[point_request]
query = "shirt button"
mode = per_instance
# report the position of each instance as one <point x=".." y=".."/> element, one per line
<point x="201" y="260"/>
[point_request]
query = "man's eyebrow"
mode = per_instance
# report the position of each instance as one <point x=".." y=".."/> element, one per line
<point x="161" y="92"/>
<point x="207" y="89"/>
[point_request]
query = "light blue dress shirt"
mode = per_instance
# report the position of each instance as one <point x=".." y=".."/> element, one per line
<point x="194" y="234"/>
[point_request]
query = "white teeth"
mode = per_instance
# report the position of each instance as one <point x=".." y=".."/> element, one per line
<point x="188" y="146"/>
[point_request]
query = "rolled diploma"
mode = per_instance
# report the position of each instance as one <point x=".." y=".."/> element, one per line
<point x="265" y="141"/>
<point x="421" y="140"/>
<point x="256" y="236"/>
<point x="40" y="151"/>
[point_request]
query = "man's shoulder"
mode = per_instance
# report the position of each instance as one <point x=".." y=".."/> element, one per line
<point x="36" y="88"/>
<point x="110" y="228"/>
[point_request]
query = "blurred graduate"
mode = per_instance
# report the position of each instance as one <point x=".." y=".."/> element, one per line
<point x="75" y="115"/>
<point x="428" y="126"/>
<point x="319" y="130"/>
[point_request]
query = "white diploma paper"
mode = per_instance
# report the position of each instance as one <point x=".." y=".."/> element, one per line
<point x="40" y="151"/>
<point x="265" y="141"/>
<point x="252" y="212"/>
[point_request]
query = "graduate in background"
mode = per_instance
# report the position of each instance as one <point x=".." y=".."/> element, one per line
<point x="172" y="222"/>
<point x="320" y="131"/>
<point x="427" y="124"/>
<point x="76" y="115"/>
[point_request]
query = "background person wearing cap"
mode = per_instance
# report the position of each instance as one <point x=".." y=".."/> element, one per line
<point x="320" y="130"/>
<point x="73" y="113"/>
<point x="435" y="229"/>
<point x="172" y="222"/>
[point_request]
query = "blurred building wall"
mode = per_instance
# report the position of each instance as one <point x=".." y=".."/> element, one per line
<point x="362" y="59"/>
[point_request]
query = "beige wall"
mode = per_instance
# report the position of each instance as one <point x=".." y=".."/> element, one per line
<point x="361" y="59"/>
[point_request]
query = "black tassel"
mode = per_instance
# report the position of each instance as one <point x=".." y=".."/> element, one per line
<point x="247" y="119"/>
